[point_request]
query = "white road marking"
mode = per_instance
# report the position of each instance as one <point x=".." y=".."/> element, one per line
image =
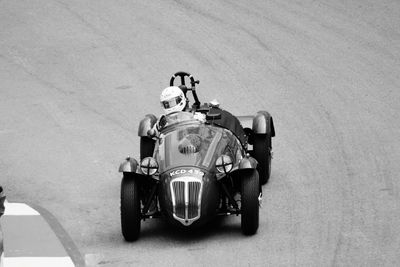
<point x="45" y="260"/>
<point x="38" y="262"/>
<point x="15" y="209"/>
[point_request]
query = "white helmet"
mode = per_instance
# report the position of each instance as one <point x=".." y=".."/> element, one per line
<point x="172" y="99"/>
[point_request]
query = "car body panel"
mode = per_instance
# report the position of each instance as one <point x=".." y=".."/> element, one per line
<point x="146" y="124"/>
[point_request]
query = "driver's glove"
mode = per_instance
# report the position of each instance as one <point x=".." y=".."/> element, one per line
<point x="152" y="132"/>
<point x="162" y="122"/>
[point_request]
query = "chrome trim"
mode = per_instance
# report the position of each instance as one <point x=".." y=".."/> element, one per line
<point x="186" y="194"/>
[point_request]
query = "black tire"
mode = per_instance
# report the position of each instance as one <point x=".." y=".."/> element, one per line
<point x="146" y="147"/>
<point x="250" y="204"/>
<point x="130" y="209"/>
<point x="262" y="153"/>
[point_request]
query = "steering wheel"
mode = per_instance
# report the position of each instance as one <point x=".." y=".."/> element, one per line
<point x="193" y="83"/>
<point x="183" y="74"/>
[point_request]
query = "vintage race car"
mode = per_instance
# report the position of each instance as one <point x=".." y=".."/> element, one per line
<point x="195" y="170"/>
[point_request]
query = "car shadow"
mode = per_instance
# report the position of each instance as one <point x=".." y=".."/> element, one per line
<point x="219" y="227"/>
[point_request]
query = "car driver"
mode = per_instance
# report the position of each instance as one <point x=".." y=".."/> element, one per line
<point x="172" y="100"/>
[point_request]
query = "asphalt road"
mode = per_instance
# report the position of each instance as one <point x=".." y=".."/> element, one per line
<point x="77" y="76"/>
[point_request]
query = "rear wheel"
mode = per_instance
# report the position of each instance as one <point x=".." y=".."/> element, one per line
<point x="130" y="208"/>
<point x="250" y="203"/>
<point x="262" y="153"/>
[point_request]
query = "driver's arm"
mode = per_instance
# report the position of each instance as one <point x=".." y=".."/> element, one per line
<point x="155" y="130"/>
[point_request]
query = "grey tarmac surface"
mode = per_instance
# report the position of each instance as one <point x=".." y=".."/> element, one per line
<point x="77" y="76"/>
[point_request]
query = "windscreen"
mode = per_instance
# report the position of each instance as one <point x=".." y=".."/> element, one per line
<point x="191" y="144"/>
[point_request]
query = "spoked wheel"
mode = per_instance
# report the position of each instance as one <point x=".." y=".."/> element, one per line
<point x="250" y="203"/>
<point x="130" y="208"/>
<point x="262" y="153"/>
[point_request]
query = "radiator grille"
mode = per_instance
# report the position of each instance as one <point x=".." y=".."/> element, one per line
<point x="186" y="199"/>
<point x="193" y="206"/>
<point x="179" y="192"/>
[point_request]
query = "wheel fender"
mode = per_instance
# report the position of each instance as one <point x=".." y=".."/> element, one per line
<point x="263" y="124"/>
<point x="247" y="167"/>
<point x="129" y="165"/>
<point x="248" y="163"/>
<point x="146" y="124"/>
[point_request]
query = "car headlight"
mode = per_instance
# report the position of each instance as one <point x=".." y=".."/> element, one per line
<point x="149" y="166"/>
<point x="224" y="164"/>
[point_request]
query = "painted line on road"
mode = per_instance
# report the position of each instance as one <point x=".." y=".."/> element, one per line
<point x="18" y="209"/>
<point x="38" y="261"/>
<point x="33" y="237"/>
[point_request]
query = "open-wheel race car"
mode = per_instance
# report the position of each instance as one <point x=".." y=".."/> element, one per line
<point x="196" y="170"/>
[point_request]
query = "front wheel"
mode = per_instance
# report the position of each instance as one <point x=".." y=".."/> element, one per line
<point x="250" y="203"/>
<point x="130" y="208"/>
<point x="262" y="153"/>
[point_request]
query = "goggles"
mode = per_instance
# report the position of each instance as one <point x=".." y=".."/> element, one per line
<point x="172" y="102"/>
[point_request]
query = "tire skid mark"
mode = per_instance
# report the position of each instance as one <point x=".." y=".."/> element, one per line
<point x="345" y="33"/>
<point x="272" y="20"/>
<point x="192" y="8"/>
<point x="285" y="63"/>
<point x="231" y="68"/>
<point x="20" y="62"/>
<point x="58" y="116"/>
<point x="343" y="243"/>
<point x="120" y="53"/>
<point x="108" y="118"/>
<point x="201" y="57"/>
